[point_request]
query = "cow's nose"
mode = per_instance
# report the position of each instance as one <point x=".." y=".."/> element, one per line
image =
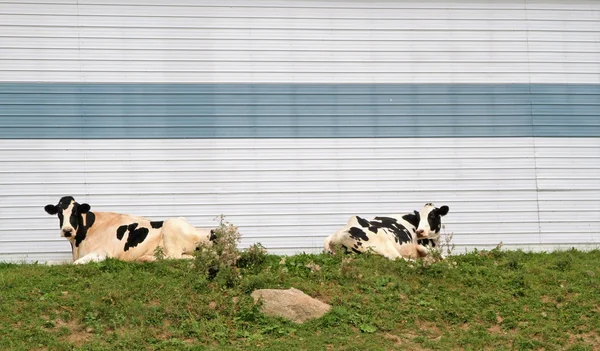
<point x="420" y="232"/>
<point x="68" y="232"/>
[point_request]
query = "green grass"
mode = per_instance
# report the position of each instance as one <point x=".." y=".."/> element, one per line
<point x="491" y="300"/>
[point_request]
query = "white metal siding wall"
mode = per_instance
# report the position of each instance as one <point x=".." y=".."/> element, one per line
<point x="289" y="194"/>
<point x="301" y="41"/>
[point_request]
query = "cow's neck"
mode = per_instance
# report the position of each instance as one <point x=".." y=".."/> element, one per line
<point x="86" y="221"/>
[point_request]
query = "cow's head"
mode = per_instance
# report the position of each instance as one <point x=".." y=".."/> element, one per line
<point x="430" y="221"/>
<point x="69" y="215"/>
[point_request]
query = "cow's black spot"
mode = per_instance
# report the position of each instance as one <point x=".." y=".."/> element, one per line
<point x="412" y="218"/>
<point x="355" y="251"/>
<point x="358" y="234"/>
<point x="384" y="222"/>
<point x="80" y="236"/>
<point x="386" y="219"/>
<point x="90" y="219"/>
<point x="82" y="228"/>
<point x="363" y="222"/>
<point x="373" y="229"/>
<point x="435" y="221"/>
<point x="359" y="243"/>
<point x="61" y="219"/>
<point x="65" y="201"/>
<point x="401" y="234"/>
<point x="213" y="235"/>
<point x="156" y="225"/>
<point x="136" y="236"/>
<point x="132" y="227"/>
<point x="121" y="232"/>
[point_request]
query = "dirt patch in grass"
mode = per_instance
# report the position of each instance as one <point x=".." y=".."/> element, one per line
<point x="428" y="328"/>
<point x="394" y="338"/>
<point x="78" y="335"/>
<point x="591" y="338"/>
<point x="495" y="329"/>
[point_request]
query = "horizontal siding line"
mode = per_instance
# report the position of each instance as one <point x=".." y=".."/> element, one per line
<point x="241" y="203"/>
<point x="90" y="125"/>
<point x="429" y="72"/>
<point x="520" y="9"/>
<point x="330" y="18"/>
<point x="495" y="157"/>
<point x="332" y="103"/>
<point x="271" y="181"/>
<point x="201" y="171"/>
<point x="381" y="125"/>
<point x="328" y="29"/>
<point x="79" y="117"/>
<point x="530" y="100"/>
<point x="317" y="41"/>
<point x="237" y="203"/>
<point x="88" y="89"/>
<point x="303" y="180"/>
<point x="290" y="61"/>
<point x="121" y="171"/>
<point x="89" y="117"/>
<point x="304" y="192"/>
<point x="267" y="148"/>
<point x="318" y="202"/>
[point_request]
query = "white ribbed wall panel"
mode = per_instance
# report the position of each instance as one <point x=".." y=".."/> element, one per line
<point x="290" y="194"/>
<point x="301" y="41"/>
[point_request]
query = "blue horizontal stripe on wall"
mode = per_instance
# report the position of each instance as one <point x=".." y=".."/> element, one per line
<point x="104" y="111"/>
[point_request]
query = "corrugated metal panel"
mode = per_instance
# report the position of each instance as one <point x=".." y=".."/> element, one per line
<point x="92" y="110"/>
<point x="302" y="41"/>
<point x="288" y="194"/>
<point x="574" y="184"/>
<point x="290" y="204"/>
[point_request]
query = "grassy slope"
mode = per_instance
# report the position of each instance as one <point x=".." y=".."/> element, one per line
<point x="487" y="300"/>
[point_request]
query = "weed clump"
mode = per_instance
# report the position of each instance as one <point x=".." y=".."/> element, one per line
<point x="254" y="256"/>
<point x="444" y="249"/>
<point x="222" y="260"/>
<point x="222" y="254"/>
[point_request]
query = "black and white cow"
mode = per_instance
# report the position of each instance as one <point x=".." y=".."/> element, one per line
<point x="94" y="236"/>
<point x="407" y="236"/>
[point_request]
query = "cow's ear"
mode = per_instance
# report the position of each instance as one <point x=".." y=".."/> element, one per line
<point x="51" y="209"/>
<point x="443" y="210"/>
<point x="83" y="208"/>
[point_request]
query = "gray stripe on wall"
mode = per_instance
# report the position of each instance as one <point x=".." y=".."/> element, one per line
<point x="119" y="110"/>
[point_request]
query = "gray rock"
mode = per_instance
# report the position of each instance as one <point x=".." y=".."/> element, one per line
<point x="291" y="304"/>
